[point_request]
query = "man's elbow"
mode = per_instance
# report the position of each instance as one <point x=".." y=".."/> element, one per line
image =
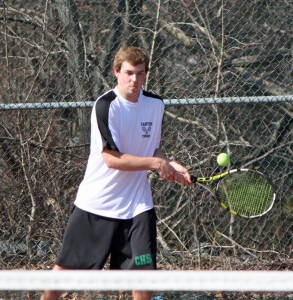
<point x="110" y="158"/>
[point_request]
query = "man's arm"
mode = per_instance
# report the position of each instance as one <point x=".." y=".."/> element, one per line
<point x="127" y="162"/>
<point x="167" y="169"/>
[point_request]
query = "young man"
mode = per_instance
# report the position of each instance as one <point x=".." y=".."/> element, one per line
<point x="114" y="214"/>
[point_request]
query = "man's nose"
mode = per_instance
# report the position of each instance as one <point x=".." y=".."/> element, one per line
<point x="134" y="77"/>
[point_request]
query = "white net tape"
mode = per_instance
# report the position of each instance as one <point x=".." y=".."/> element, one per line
<point x="260" y="281"/>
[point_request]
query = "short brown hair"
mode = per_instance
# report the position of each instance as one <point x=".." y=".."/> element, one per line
<point x="133" y="55"/>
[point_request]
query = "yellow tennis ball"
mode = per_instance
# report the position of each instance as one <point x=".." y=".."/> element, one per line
<point x="223" y="159"/>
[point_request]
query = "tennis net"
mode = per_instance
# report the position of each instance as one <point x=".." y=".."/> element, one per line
<point x="162" y="282"/>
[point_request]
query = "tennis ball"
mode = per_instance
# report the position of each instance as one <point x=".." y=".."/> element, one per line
<point x="223" y="159"/>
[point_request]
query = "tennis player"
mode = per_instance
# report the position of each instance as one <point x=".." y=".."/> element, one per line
<point x="114" y="214"/>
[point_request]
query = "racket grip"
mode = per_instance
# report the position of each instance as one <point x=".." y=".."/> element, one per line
<point x="193" y="179"/>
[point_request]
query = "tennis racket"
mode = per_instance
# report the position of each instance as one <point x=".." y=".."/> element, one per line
<point x="242" y="192"/>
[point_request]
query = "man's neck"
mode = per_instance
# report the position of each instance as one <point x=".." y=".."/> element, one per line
<point x="129" y="97"/>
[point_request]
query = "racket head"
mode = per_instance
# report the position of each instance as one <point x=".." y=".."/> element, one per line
<point x="246" y="193"/>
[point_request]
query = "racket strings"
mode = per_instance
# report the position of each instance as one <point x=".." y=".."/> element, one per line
<point x="246" y="193"/>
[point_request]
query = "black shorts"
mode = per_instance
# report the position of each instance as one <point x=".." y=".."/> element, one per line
<point x="90" y="239"/>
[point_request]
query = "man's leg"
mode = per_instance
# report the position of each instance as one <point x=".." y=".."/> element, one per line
<point x="140" y="295"/>
<point x="53" y="295"/>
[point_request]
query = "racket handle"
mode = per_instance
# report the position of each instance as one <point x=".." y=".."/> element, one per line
<point x="194" y="179"/>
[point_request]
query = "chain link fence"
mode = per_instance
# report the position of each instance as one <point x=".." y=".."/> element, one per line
<point x="224" y="69"/>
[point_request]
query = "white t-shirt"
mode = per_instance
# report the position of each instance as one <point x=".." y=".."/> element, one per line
<point x="132" y="128"/>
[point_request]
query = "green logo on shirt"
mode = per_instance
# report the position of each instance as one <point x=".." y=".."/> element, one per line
<point x="145" y="259"/>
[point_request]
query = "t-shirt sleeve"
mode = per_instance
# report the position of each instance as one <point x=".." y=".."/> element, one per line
<point x="102" y="113"/>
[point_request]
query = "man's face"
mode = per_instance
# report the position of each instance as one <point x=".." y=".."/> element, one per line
<point x="130" y="80"/>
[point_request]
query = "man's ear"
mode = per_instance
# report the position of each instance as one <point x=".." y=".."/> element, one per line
<point x="116" y="72"/>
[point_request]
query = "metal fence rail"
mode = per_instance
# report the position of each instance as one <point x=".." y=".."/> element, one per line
<point x="89" y="104"/>
<point x="224" y="69"/>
